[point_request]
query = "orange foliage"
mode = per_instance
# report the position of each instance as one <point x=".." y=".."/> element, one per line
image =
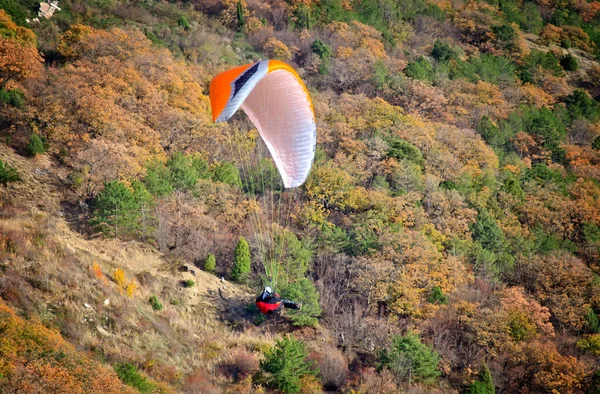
<point x="35" y="359"/>
<point x="19" y="57"/>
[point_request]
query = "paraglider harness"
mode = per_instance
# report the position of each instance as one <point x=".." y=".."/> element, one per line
<point x="270" y="303"/>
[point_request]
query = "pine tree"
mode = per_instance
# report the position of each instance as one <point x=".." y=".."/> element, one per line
<point x="36" y="145"/>
<point x="410" y="360"/>
<point x="8" y="174"/>
<point x="484" y="384"/>
<point x="240" y="15"/>
<point x="241" y="263"/>
<point x="116" y="210"/>
<point x="286" y="363"/>
<point x="210" y="264"/>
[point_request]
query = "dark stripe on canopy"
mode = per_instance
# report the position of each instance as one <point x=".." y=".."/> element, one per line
<point x="241" y="81"/>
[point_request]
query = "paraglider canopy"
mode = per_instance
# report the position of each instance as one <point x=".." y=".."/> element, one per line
<point x="276" y="100"/>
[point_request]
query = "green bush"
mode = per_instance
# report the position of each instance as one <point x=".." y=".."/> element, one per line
<point x="8" y="174"/>
<point x="596" y="143"/>
<point x="188" y="283"/>
<point x="241" y="262"/>
<point x="304" y="292"/>
<point x="536" y="58"/>
<point x="116" y="211"/>
<point x="592" y="320"/>
<point x="546" y="125"/>
<point x="13" y="97"/>
<point x="443" y="52"/>
<point x="286" y="365"/>
<point x="410" y="360"/>
<point x="420" y="69"/>
<point x="155" y="303"/>
<point x="325" y="52"/>
<point x="210" y="264"/>
<point x="227" y="173"/>
<point x="183" y="173"/>
<point x="581" y="106"/>
<point x="569" y="62"/>
<point x="487" y="232"/>
<point x="35" y="145"/>
<point x="437" y="296"/>
<point x="484" y="383"/>
<point x="183" y="22"/>
<point x="158" y="179"/>
<point x="401" y="149"/>
<point x="488" y="68"/>
<point x="129" y="375"/>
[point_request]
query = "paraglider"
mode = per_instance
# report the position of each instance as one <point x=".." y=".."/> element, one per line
<point x="277" y="102"/>
<point x="270" y="303"/>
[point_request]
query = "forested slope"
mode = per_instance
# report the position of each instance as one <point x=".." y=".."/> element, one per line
<point x="446" y="240"/>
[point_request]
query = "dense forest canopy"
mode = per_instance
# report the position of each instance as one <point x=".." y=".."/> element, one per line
<point x="447" y="238"/>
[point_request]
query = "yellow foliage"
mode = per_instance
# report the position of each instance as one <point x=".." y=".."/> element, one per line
<point x="130" y="288"/>
<point x="277" y="49"/>
<point x="119" y="277"/>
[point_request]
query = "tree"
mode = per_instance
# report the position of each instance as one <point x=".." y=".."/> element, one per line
<point x="19" y="57"/>
<point x="287" y="366"/>
<point x="420" y="69"/>
<point x="116" y="211"/>
<point x="241" y="262"/>
<point x="36" y="145"/>
<point x="486" y="231"/>
<point x="304" y="292"/>
<point x="210" y="264"/>
<point x="484" y="384"/>
<point x="410" y="360"/>
<point x="8" y="174"/>
<point x="442" y="51"/>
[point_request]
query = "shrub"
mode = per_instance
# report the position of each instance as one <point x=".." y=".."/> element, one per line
<point x="400" y="149"/>
<point x="333" y="369"/>
<point x="325" y="52"/>
<point x="420" y="69"/>
<point x="592" y="320"/>
<point x="183" y="173"/>
<point x="155" y="303"/>
<point x="581" y="105"/>
<point x="13" y="97"/>
<point x="536" y="58"/>
<point x="484" y="383"/>
<point x="569" y="62"/>
<point x="303" y="291"/>
<point x="8" y="174"/>
<point x="443" y="52"/>
<point x="116" y="210"/>
<point x="227" y="173"/>
<point x="590" y="343"/>
<point x="158" y="179"/>
<point x="210" y="264"/>
<point x="241" y="262"/>
<point x="488" y="68"/>
<point x="183" y="22"/>
<point x="188" y="283"/>
<point x="35" y="145"/>
<point x="409" y="359"/>
<point x="596" y="144"/>
<point x="241" y="365"/>
<point x="287" y="365"/>
<point x="129" y="375"/>
<point x="436" y="296"/>
<point x="487" y="232"/>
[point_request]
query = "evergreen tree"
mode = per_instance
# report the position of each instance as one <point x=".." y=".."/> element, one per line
<point x="8" y="174"/>
<point x="484" y="384"/>
<point x="116" y="211"/>
<point x="240" y="15"/>
<point x="304" y="292"/>
<point x="487" y="232"/>
<point x="410" y="360"/>
<point x="183" y="22"/>
<point x="210" y="264"/>
<point x="241" y="263"/>
<point x="286" y="365"/>
<point x="36" y="145"/>
<point x="158" y="179"/>
<point x="183" y="172"/>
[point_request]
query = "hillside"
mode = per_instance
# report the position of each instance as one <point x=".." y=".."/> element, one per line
<point x="447" y="238"/>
